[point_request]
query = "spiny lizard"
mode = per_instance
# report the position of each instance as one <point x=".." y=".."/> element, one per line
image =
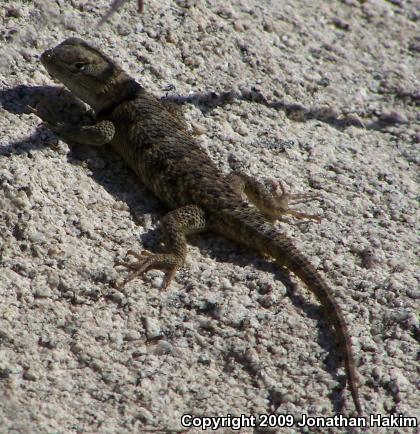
<point x="164" y="154"/>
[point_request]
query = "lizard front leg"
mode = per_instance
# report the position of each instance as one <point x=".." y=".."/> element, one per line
<point x="176" y="226"/>
<point x="96" y="134"/>
<point x="273" y="204"/>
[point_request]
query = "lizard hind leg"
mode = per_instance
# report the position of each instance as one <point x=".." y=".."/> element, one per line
<point x="176" y="225"/>
<point x="273" y="202"/>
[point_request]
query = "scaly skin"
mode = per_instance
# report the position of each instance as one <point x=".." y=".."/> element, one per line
<point x="158" y="147"/>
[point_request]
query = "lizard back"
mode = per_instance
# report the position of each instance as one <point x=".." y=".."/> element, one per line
<point x="166" y="158"/>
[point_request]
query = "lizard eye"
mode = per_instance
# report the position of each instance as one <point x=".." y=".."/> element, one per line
<point x="80" y="66"/>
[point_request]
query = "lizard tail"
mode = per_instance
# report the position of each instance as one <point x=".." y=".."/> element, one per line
<point x="250" y="228"/>
<point x="283" y="250"/>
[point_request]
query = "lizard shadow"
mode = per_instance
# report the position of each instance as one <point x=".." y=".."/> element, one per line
<point x="19" y="100"/>
<point x="109" y="170"/>
<point x="226" y="251"/>
<point x="65" y="105"/>
<point x="207" y="101"/>
<point x="221" y="250"/>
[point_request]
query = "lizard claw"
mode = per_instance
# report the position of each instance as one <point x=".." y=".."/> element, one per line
<point x="147" y="261"/>
<point x="33" y="110"/>
<point x="285" y="199"/>
<point x="279" y="189"/>
<point x="36" y="112"/>
<point x="47" y="124"/>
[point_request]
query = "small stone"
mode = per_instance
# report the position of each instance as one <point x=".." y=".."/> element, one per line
<point x="43" y="292"/>
<point x="204" y="360"/>
<point x="13" y="12"/>
<point x="76" y="348"/>
<point x="268" y="26"/>
<point x="393" y="118"/>
<point x="53" y="280"/>
<point x="377" y="373"/>
<point x="266" y="300"/>
<point x="47" y="342"/>
<point x="238" y="26"/>
<point x="21" y="200"/>
<point x="144" y="415"/>
<point x="153" y="330"/>
<point x="398" y="382"/>
<point x="132" y="335"/>
<point x="226" y="284"/>
<point x="241" y="129"/>
<point x="36" y="237"/>
<point x="339" y="23"/>
<point x="198" y="130"/>
<point x="85" y="225"/>
<point x="157" y="281"/>
<point x="29" y="375"/>
<point x="368" y="258"/>
<point x="161" y="348"/>
<point x="116" y="338"/>
<point x="5" y="372"/>
<point x="226" y="11"/>
<point x="171" y="37"/>
<point x="123" y="29"/>
<point x="140" y="351"/>
<point x="413" y="293"/>
<point x="116" y="296"/>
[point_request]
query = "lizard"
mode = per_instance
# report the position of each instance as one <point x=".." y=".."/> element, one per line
<point x="169" y="161"/>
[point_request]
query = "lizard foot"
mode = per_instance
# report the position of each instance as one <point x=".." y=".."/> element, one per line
<point x="148" y="261"/>
<point x="47" y="120"/>
<point x="283" y="200"/>
<point x="272" y="199"/>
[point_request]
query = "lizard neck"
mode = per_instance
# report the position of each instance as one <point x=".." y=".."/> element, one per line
<point x="114" y="93"/>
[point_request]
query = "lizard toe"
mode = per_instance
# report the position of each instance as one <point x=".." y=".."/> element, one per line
<point x="146" y="260"/>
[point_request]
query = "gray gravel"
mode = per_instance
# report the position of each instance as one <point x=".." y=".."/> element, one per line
<point x="233" y="335"/>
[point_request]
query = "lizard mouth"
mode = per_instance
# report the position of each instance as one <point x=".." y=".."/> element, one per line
<point x="53" y="68"/>
<point x="47" y="61"/>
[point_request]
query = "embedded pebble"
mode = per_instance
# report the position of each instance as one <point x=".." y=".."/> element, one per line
<point x="153" y="330"/>
<point x="43" y="292"/>
<point x="162" y="347"/>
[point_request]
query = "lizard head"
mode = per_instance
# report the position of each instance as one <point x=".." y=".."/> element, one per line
<point x="83" y="69"/>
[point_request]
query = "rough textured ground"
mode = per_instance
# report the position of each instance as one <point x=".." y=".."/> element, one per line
<point x="232" y="335"/>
